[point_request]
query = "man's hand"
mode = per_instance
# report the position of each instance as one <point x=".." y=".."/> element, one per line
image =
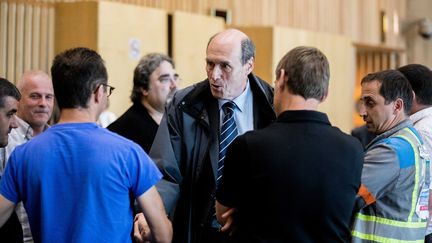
<point x="225" y="216"/>
<point x="142" y="232"/>
<point x="228" y="219"/>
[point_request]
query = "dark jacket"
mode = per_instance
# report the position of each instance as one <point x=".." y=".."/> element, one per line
<point x="293" y="181"/>
<point x="186" y="149"/>
<point x="137" y="125"/>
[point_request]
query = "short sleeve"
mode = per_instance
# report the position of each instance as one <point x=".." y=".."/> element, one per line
<point x="9" y="181"/>
<point x="144" y="173"/>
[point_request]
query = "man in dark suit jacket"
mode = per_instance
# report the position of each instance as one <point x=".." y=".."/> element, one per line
<point x="186" y="146"/>
<point x="296" y="180"/>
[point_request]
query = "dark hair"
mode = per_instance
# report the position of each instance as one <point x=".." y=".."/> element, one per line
<point x="420" y="78"/>
<point x="247" y="49"/>
<point x="75" y="74"/>
<point x="308" y="72"/>
<point x="394" y="85"/>
<point x="146" y="66"/>
<point x="8" y="89"/>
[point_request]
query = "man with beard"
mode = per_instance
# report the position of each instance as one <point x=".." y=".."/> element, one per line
<point x="155" y="81"/>
<point x="34" y="111"/>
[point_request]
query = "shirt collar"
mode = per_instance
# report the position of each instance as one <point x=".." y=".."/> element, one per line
<point x="24" y="128"/>
<point x="421" y="114"/>
<point x="240" y="101"/>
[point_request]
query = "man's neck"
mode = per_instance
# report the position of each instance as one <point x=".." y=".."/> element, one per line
<point x="38" y="130"/>
<point x="296" y="102"/>
<point x="418" y="107"/>
<point x="155" y="114"/>
<point x="76" y="115"/>
<point x="398" y="119"/>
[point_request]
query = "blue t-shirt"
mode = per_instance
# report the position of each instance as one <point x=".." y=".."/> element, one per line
<point x="75" y="181"/>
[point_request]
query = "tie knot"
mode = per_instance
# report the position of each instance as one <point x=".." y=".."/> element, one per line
<point x="228" y="107"/>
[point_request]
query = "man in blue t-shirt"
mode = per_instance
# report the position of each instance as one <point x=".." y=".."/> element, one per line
<point x="76" y="180"/>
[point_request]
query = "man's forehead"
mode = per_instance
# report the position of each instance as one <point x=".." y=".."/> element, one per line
<point x="371" y="87"/>
<point x="9" y="103"/>
<point x="370" y="90"/>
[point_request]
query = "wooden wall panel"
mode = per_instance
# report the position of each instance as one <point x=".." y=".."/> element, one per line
<point x="122" y="47"/>
<point x="101" y="26"/>
<point x="28" y="34"/>
<point x="265" y="62"/>
<point x="419" y="50"/>
<point x="23" y="28"/>
<point x="28" y="39"/>
<point x="36" y="35"/>
<point x="3" y="38"/>
<point x="76" y="25"/>
<point x="357" y="19"/>
<point x="11" y="42"/>
<point x="19" y="41"/>
<point x="190" y="35"/>
<point x="341" y="54"/>
<point x="44" y="42"/>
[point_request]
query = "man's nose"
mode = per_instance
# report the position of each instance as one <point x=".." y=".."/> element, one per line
<point x="174" y="83"/>
<point x="13" y="122"/>
<point x="216" y="72"/>
<point x="43" y="101"/>
<point x="362" y="110"/>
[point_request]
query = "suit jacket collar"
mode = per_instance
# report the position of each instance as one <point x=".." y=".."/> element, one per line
<point x="200" y="100"/>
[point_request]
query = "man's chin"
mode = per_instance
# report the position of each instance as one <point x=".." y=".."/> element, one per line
<point x="3" y="143"/>
<point x="370" y="128"/>
<point x="39" y="122"/>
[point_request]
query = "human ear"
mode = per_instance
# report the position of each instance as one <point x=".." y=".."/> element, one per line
<point x="250" y="65"/>
<point x="398" y="105"/>
<point x="281" y="80"/>
<point x="144" y="92"/>
<point x="99" y="93"/>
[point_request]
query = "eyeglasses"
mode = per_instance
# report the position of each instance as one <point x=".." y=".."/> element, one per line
<point x="110" y="90"/>
<point x="168" y="78"/>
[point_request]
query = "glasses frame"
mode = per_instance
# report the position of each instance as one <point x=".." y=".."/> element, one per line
<point x="167" y="79"/>
<point x="109" y="89"/>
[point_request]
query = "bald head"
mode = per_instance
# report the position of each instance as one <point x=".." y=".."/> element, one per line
<point x="241" y="44"/>
<point x="36" y="104"/>
<point x="32" y="76"/>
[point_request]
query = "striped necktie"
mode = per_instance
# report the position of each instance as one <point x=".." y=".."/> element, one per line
<point x="227" y="135"/>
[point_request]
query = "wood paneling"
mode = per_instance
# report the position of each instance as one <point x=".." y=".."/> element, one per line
<point x="120" y="33"/>
<point x="190" y="35"/>
<point x="29" y="35"/>
<point x="419" y="50"/>
<point x="76" y="25"/>
<point x="146" y="32"/>
<point x="274" y="42"/>
<point x="356" y="19"/>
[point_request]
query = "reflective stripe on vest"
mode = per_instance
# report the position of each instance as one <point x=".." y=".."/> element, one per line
<point x="415" y="193"/>
<point x="379" y="229"/>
